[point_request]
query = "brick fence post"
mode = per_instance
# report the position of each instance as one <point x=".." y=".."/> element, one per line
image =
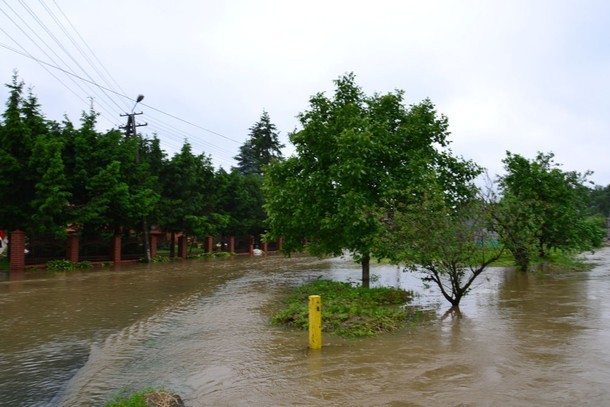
<point x="251" y="245"/>
<point x="208" y="242"/>
<point x="72" y="248"/>
<point x="116" y="249"/>
<point x="280" y="241"/>
<point x="17" y="251"/>
<point x="231" y="244"/>
<point x="154" y="242"/>
<point x="182" y="246"/>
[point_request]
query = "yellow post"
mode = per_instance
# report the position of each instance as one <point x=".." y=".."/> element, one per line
<point x="315" y="322"/>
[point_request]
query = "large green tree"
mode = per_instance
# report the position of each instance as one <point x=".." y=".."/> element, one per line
<point x="188" y="201"/>
<point x="33" y="189"/>
<point x="543" y="208"/>
<point x="240" y="198"/>
<point x="16" y="181"/>
<point x="600" y="200"/>
<point x="261" y="148"/>
<point x="110" y="190"/>
<point x="357" y="159"/>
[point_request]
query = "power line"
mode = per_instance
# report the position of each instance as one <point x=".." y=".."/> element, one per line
<point x="79" y="48"/>
<point x="170" y="134"/>
<point x="28" y="55"/>
<point x="61" y="46"/>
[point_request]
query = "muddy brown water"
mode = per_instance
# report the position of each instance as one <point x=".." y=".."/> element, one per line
<point x="201" y="329"/>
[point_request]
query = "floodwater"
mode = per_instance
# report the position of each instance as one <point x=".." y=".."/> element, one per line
<point x="201" y="329"/>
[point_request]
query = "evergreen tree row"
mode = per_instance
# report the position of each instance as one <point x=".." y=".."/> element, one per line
<point x="56" y="177"/>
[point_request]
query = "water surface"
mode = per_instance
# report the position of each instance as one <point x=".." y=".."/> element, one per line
<point x="201" y="329"/>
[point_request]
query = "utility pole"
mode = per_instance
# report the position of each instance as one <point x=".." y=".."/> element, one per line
<point x="130" y="131"/>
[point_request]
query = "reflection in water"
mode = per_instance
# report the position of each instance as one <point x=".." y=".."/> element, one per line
<point x="202" y="329"/>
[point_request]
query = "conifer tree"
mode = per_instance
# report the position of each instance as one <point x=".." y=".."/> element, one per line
<point x="261" y="148"/>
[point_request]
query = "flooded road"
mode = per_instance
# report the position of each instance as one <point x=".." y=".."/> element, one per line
<point x="201" y="329"/>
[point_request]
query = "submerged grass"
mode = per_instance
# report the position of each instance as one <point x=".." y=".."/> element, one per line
<point x="146" y="398"/>
<point x="134" y="400"/>
<point x="348" y="310"/>
<point x="559" y="260"/>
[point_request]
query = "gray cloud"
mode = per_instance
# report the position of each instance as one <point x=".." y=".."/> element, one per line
<point x="521" y="76"/>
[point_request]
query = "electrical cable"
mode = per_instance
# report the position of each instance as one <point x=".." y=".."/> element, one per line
<point x="170" y="134"/>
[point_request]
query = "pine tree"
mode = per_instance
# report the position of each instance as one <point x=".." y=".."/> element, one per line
<point x="262" y="148"/>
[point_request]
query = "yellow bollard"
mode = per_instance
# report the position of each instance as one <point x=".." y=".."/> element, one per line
<point x="315" y="322"/>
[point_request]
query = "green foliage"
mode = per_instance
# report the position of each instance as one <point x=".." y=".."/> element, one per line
<point x="348" y="310"/>
<point x="261" y="149"/>
<point x="67" y="265"/>
<point x="60" y="265"/>
<point x="451" y="245"/>
<point x="600" y="200"/>
<point x="54" y="175"/>
<point x="160" y="259"/>
<point x="28" y="170"/>
<point x="358" y="156"/>
<point x="144" y="398"/>
<point x="189" y="199"/>
<point x="543" y="208"/>
<point x="241" y="202"/>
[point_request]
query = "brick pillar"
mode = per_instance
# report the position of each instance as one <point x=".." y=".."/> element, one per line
<point x="251" y="244"/>
<point x="280" y="241"/>
<point x="116" y="249"/>
<point x="265" y="248"/>
<point x="182" y="246"/>
<point x="208" y="242"/>
<point x="17" y="251"/>
<point x="72" y="248"/>
<point x="231" y="244"/>
<point x="154" y="242"/>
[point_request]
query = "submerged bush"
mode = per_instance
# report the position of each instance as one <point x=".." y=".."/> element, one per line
<point x="348" y="310"/>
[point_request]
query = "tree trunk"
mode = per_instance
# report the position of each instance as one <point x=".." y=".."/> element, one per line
<point x="522" y="259"/>
<point x="366" y="271"/>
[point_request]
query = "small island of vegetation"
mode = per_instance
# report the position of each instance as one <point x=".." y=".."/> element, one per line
<point x="349" y="310"/>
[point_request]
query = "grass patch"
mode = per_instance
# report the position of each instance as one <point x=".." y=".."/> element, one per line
<point x="506" y="260"/>
<point x="67" y="265"/>
<point x="564" y="261"/>
<point x="559" y="260"/>
<point x="146" y="398"/>
<point x="348" y="310"/>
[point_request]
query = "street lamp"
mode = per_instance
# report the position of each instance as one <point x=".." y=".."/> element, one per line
<point x="138" y="100"/>
<point x="131" y="131"/>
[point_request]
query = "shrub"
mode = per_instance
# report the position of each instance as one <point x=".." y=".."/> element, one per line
<point x="60" y="265"/>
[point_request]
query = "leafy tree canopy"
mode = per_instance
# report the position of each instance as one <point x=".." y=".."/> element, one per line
<point x="357" y="159"/>
<point x="543" y="208"/>
<point x="450" y="245"/>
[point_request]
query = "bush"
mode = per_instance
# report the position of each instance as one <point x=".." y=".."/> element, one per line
<point x="60" y="265"/>
<point x="67" y="265"/>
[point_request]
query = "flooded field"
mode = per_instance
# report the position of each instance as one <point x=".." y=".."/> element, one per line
<point x="201" y="329"/>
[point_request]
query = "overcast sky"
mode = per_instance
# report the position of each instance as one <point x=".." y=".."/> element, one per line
<point x="523" y="76"/>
